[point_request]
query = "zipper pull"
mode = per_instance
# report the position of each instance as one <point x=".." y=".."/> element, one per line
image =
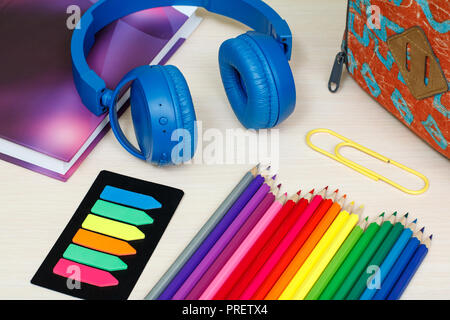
<point x="336" y="73"/>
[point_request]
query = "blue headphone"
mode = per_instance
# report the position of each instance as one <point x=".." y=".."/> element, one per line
<point x="254" y="68"/>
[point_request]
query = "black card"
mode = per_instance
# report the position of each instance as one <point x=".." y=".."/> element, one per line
<point x="107" y="243"/>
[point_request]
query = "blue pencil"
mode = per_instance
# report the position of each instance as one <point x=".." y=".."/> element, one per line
<point x="390" y="259"/>
<point x="410" y="270"/>
<point x="399" y="266"/>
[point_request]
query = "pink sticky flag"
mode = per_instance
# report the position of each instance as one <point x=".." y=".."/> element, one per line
<point x="79" y="272"/>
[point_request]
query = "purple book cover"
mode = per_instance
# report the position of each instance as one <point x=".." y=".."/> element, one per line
<point x="39" y="106"/>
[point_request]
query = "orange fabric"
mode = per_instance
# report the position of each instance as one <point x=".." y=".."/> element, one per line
<point x="372" y="65"/>
<point x="302" y="247"/>
<point x="102" y="243"/>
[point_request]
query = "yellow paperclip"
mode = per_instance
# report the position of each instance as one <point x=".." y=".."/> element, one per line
<point x="363" y="170"/>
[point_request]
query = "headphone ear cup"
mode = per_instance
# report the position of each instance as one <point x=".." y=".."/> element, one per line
<point x="161" y="105"/>
<point x="183" y="107"/>
<point x="257" y="80"/>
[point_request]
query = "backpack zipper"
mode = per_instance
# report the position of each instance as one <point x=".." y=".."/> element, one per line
<point x="340" y="59"/>
<point x="336" y="72"/>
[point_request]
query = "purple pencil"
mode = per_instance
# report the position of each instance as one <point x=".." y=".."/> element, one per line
<point x="215" y="234"/>
<point x="209" y="275"/>
<point x="221" y="243"/>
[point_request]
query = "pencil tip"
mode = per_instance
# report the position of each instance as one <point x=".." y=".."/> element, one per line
<point x="299" y="192"/>
<point x="312" y="191"/>
<point x="352" y="203"/>
<point x="421" y="230"/>
<point x="274" y="177"/>
<point x="285" y="194"/>
<point x="382" y="215"/>
<point x="406" y="215"/>
<point x="415" y="221"/>
<point x="395" y="213"/>
<point x="431" y="237"/>
<point x="336" y="191"/>
<point x="279" y="186"/>
<point x="344" y="196"/>
<point x="326" y="188"/>
<point x="367" y="218"/>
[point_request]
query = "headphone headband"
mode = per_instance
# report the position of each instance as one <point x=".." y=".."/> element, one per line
<point x="92" y="89"/>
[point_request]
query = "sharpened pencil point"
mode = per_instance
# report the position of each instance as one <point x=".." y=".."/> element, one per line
<point x="395" y="214"/>
<point x="406" y="215"/>
<point x="326" y="188"/>
<point x="336" y="191"/>
<point x="312" y="191"/>
<point x="279" y="186"/>
<point x="415" y="221"/>
<point x="274" y="177"/>
<point x="285" y="194"/>
<point x="352" y="203"/>
<point x="382" y="215"/>
<point x="421" y="230"/>
<point x="431" y="237"/>
<point x="344" y="196"/>
<point x="367" y="218"/>
<point x="299" y="192"/>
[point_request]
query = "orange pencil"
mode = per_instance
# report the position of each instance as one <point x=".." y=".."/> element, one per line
<point x="266" y="249"/>
<point x="302" y="247"/>
<point x="292" y="249"/>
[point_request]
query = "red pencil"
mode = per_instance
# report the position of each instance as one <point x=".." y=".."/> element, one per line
<point x="266" y="244"/>
<point x="286" y="258"/>
<point x="246" y="260"/>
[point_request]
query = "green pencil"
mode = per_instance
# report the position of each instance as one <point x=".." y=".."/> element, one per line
<point x="364" y="259"/>
<point x="344" y="269"/>
<point x="377" y="259"/>
<point x="337" y="260"/>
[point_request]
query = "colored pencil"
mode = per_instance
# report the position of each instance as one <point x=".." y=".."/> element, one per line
<point x="347" y="264"/>
<point x="263" y="249"/>
<point x="390" y="259"/>
<point x="410" y="269"/>
<point x="260" y="210"/>
<point x="301" y="247"/>
<point x="364" y="259"/>
<point x="377" y="259"/>
<point x="337" y="261"/>
<point x="399" y="266"/>
<point x="327" y="255"/>
<point x="268" y="266"/>
<point x="245" y="261"/>
<point x="243" y="249"/>
<point x="315" y="254"/>
<point x="195" y="256"/>
<point x="223" y="240"/>
<point x="202" y="234"/>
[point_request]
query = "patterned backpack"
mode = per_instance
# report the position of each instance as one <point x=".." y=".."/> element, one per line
<point x="398" y="51"/>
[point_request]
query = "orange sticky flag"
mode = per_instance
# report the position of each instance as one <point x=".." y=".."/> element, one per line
<point x="103" y="243"/>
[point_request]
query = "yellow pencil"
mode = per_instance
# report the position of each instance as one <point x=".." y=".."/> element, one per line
<point x="323" y="244"/>
<point x="329" y="253"/>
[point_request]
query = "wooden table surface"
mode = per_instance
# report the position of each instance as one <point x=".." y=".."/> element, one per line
<point x="35" y="209"/>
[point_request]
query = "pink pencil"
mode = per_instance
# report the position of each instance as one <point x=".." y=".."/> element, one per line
<point x="284" y="244"/>
<point x="243" y="249"/>
<point x="231" y="247"/>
